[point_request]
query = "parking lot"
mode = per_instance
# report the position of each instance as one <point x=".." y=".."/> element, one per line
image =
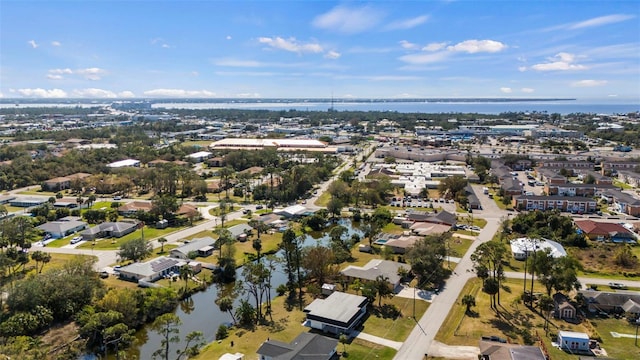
<point x="409" y="202"/>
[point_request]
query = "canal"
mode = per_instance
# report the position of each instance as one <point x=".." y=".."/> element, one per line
<point x="200" y="312"/>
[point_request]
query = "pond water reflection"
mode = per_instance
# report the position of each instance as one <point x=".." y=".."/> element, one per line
<point x="200" y="313"/>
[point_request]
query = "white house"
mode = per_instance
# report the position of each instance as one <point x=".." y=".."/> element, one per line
<point x="521" y="247"/>
<point x="573" y="341"/>
<point x="124" y="163"/>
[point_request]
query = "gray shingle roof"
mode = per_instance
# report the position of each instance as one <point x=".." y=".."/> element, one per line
<point x="305" y="346"/>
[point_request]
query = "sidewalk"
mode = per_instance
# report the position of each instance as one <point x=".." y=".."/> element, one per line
<point x="378" y="340"/>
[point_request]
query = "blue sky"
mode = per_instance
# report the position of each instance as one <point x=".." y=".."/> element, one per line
<point x="293" y="49"/>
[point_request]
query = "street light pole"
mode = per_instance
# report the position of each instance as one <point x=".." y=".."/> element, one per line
<point x="637" y="324"/>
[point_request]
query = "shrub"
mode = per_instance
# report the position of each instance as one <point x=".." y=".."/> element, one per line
<point x="223" y="332"/>
<point x="281" y="289"/>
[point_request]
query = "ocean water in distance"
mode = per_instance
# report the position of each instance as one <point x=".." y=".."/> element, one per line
<point x="561" y="107"/>
<point x="591" y="106"/>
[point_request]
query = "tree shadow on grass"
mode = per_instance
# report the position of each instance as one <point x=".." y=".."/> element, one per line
<point x="386" y="311"/>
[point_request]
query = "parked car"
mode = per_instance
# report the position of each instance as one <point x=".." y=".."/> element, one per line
<point x="615" y="285"/>
<point x="76" y="239"/>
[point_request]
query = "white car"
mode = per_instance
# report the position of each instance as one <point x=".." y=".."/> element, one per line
<point x="76" y="239"/>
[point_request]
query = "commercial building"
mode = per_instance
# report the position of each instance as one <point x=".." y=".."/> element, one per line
<point x="278" y="144"/>
<point x="124" y="163"/>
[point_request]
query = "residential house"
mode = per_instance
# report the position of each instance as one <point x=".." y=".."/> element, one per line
<point x="562" y="308"/>
<point x="60" y="229"/>
<point x="522" y="247"/>
<point x="152" y="270"/>
<point x="442" y="217"/>
<point x="566" y="164"/>
<point x="604" y="231"/>
<point x="240" y="231"/>
<point x="571" y="189"/>
<point x="629" y="177"/>
<point x="472" y="199"/>
<point x="339" y="313"/>
<point x="600" y="179"/>
<point x="109" y="229"/>
<point x="610" y="166"/>
<point x="202" y="247"/>
<point x="306" y="346"/>
<point x="28" y="201"/>
<point x="292" y="211"/>
<point x="612" y="302"/>
<point x="426" y="228"/>
<point x="511" y="186"/>
<point x="374" y="268"/>
<point x="573" y="341"/>
<point x="623" y="202"/>
<point x="492" y="350"/>
<point x="131" y="208"/>
<point x="551" y="176"/>
<point x="187" y="210"/>
<point x="63" y="182"/>
<point x="571" y="204"/>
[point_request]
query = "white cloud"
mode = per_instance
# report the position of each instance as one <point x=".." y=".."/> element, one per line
<point x="602" y="20"/>
<point x="33" y="43"/>
<point x="195" y="73"/>
<point x="506" y="90"/>
<point x="560" y="62"/>
<point x="238" y="63"/>
<point x="61" y="71"/>
<point x="126" y="94"/>
<point x="249" y="95"/>
<point x="527" y="90"/>
<point x="332" y="54"/>
<point x="43" y="93"/>
<point x="56" y="43"/>
<point x="440" y="51"/>
<point x="54" y="77"/>
<point x="522" y="68"/>
<point x="407" y="45"/>
<point x="228" y="37"/>
<point x="435" y="46"/>
<point x="165" y="46"/>
<point x="423" y="58"/>
<point x="179" y="93"/>
<point x="1" y="95"/>
<point x="290" y="44"/>
<point x="588" y="83"/>
<point x="348" y="20"/>
<point x="91" y="73"/>
<point x="476" y="46"/>
<point x="94" y="93"/>
<point x="407" y="23"/>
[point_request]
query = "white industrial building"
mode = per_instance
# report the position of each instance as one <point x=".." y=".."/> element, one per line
<point x="279" y="144"/>
<point x="124" y="163"/>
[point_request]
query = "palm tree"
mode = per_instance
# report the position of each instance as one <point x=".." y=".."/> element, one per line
<point x="491" y="287"/>
<point x="162" y="240"/>
<point x="257" y="246"/>
<point x="469" y="301"/>
<point x="186" y="272"/>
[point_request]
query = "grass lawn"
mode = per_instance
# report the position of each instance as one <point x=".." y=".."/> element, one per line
<point x="621" y="184"/>
<point x="103" y="204"/>
<point x="114" y="244"/>
<point x="216" y="210"/>
<point x="396" y="329"/>
<point x="392" y="228"/>
<point x="38" y="192"/>
<point x="323" y="199"/>
<point x="459" y="246"/>
<point x="515" y="319"/>
<point x="285" y="327"/>
<point x="197" y="143"/>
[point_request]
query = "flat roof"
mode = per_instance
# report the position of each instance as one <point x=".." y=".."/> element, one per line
<point x="338" y="306"/>
<point x="124" y="163"/>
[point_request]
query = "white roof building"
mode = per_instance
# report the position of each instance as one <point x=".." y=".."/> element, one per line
<point x="280" y="144"/>
<point x="125" y="163"/>
<point x="521" y="247"/>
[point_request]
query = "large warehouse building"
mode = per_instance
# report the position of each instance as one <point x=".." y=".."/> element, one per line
<point x="279" y="144"/>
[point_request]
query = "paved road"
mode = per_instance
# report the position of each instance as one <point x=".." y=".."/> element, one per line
<point x="583" y="280"/>
<point x="422" y="336"/>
